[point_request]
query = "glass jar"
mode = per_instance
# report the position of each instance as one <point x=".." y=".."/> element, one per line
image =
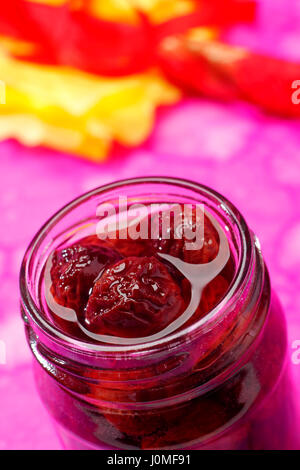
<point x="220" y="383"/>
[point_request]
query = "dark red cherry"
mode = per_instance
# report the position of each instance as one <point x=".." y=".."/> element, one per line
<point x="75" y="268"/>
<point x="130" y="236"/>
<point x="128" y="247"/>
<point x="178" y="239"/>
<point x="136" y="297"/>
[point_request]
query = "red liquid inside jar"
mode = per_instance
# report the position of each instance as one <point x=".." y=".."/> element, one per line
<point x="169" y="339"/>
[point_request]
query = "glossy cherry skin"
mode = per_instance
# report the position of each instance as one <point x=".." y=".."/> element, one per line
<point x="75" y="268"/>
<point x="136" y="297"/>
<point x="182" y="233"/>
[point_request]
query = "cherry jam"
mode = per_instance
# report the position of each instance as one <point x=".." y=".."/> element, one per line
<point x="153" y="324"/>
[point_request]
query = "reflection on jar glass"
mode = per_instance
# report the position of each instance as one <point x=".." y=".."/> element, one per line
<point x="201" y="367"/>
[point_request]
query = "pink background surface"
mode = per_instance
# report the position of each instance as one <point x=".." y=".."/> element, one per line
<point x="251" y="158"/>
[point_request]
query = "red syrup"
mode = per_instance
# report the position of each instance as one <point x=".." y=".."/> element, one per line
<point x="116" y="294"/>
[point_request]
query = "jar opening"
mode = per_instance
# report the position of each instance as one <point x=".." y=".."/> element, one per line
<point x="73" y="219"/>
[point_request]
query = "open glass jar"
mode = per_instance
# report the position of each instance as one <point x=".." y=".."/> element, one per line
<point x="220" y="382"/>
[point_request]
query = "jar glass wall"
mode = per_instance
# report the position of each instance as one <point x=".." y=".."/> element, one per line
<point x="219" y="383"/>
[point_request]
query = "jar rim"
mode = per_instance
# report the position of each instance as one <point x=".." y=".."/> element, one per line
<point x="168" y="341"/>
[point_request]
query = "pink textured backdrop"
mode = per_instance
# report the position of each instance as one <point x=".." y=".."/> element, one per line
<point x="251" y="158"/>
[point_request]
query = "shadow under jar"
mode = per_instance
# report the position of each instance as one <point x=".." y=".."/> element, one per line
<point x="219" y="382"/>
